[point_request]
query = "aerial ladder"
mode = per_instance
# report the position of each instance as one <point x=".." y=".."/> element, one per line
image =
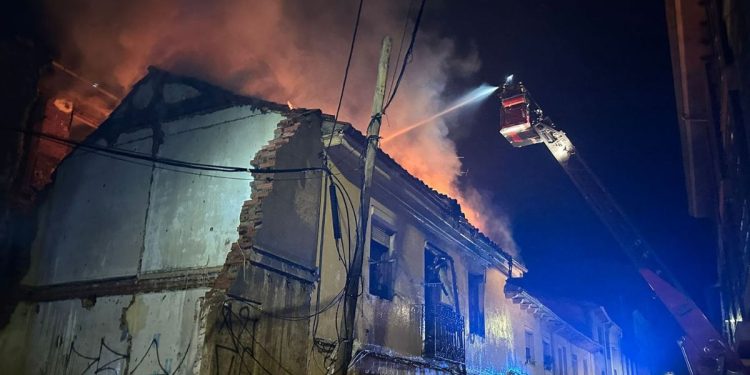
<point x="524" y="123"/>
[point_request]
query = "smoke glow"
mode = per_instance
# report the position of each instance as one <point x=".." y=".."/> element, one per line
<point x="285" y="51"/>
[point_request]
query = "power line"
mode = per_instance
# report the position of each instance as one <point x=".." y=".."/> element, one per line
<point x="346" y="72"/>
<point x="135" y="162"/>
<point x="407" y="56"/>
<point x="167" y="161"/>
<point x="95" y="85"/>
<point x="237" y="340"/>
<point x="348" y="204"/>
<point x="200" y="174"/>
<point x="289" y="318"/>
<point x="401" y="45"/>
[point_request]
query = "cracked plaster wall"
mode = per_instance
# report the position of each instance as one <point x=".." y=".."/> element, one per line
<point x="105" y="218"/>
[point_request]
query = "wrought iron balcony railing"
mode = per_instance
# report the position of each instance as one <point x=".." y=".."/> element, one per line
<point x="444" y="333"/>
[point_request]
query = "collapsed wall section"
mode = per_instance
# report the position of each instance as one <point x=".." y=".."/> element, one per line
<point x="259" y="315"/>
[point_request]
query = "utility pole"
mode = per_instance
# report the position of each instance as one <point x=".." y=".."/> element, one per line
<point x="351" y="291"/>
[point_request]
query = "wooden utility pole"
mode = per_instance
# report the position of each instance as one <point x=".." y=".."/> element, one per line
<point x="351" y="291"/>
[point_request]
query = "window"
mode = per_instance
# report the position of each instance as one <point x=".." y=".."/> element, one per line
<point x="574" y="363"/>
<point x="476" y="304"/>
<point x="564" y="361"/>
<point x="529" y="338"/>
<point x="560" y="359"/>
<point x="548" y="359"/>
<point x="381" y="263"/>
<point x="585" y="367"/>
<point x="443" y="323"/>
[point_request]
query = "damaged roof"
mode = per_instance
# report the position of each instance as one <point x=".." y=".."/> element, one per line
<point x="162" y="96"/>
<point x="569" y="316"/>
<point x="449" y="205"/>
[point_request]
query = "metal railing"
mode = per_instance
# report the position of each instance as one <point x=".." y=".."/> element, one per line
<point x="444" y="333"/>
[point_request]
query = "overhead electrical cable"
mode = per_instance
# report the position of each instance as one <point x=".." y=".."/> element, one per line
<point x="291" y="318"/>
<point x="198" y="174"/>
<point x="237" y="340"/>
<point x="407" y="56"/>
<point x="168" y="161"/>
<point x="400" y="46"/>
<point x="346" y="72"/>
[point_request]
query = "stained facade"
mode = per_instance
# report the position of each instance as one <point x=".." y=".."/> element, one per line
<point x="159" y="267"/>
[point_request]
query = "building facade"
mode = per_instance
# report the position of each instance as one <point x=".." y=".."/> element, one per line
<point x="149" y="258"/>
<point x="710" y="45"/>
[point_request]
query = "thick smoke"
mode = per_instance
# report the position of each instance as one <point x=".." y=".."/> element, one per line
<point x="283" y="50"/>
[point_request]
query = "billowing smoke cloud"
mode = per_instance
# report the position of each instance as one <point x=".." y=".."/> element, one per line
<point x="283" y="50"/>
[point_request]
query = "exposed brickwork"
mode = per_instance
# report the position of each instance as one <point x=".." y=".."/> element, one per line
<point x="251" y="215"/>
<point x="224" y="346"/>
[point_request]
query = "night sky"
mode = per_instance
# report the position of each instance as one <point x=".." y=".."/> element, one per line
<point x="602" y="71"/>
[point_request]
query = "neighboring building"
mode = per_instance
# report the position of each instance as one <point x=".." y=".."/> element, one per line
<point x="67" y="107"/>
<point x="582" y="329"/>
<point x="143" y="267"/>
<point x="37" y="97"/>
<point x="710" y="43"/>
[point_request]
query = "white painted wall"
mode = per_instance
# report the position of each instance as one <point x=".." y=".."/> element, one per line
<point x="91" y="224"/>
<point x="105" y="218"/>
<point x="192" y="220"/>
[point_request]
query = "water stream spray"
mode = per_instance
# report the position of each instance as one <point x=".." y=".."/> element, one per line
<point x="472" y="96"/>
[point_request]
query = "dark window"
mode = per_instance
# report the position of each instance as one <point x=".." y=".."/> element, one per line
<point x="548" y="359"/>
<point x="529" y="338"/>
<point x="574" y="363"/>
<point x="476" y="304"/>
<point x="585" y="367"/>
<point x="443" y="324"/>
<point x="381" y="263"/>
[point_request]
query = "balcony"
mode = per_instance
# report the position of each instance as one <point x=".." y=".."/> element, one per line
<point x="444" y="333"/>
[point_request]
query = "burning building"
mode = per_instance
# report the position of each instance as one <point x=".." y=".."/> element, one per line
<point x="157" y="253"/>
<point x="68" y="107"/>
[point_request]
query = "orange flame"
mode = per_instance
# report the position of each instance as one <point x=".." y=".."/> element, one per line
<point x="286" y="52"/>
